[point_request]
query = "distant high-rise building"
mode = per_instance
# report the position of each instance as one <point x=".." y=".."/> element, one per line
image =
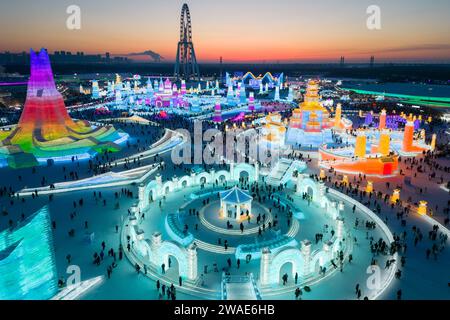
<point x="372" y="61"/>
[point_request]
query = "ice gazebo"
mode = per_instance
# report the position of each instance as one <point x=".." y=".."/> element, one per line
<point x="235" y="202"/>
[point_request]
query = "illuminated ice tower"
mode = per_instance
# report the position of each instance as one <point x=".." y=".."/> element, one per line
<point x="277" y="93"/>
<point x="433" y="142"/>
<point x="217" y="112"/>
<point x="382" y="124"/>
<point x="118" y="96"/>
<point x="174" y="91"/>
<point x="95" y="90"/>
<point x="183" y="87"/>
<point x="128" y="87"/>
<point x="242" y="95"/>
<point x="311" y="114"/>
<point x="338" y="115"/>
<point x="110" y="87"/>
<point x="408" y="136"/>
<point x="228" y="81"/>
<point x="186" y="63"/>
<point x="251" y="102"/>
<point x="310" y="124"/>
<point x="230" y="94"/>
<point x="385" y="141"/>
<point x="360" y="145"/>
<point x="149" y="88"/>
<point x="290" y="97"/>
<point x="161" y="86"/>
<point x="195" y="104"/>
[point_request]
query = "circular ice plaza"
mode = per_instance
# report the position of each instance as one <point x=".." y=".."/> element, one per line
<point x="227" y="234"/>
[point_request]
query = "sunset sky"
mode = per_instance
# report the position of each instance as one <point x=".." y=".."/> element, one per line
<point x="238" y="30"/>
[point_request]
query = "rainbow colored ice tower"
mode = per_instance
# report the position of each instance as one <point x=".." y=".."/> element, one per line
<point x="45" y="129"/>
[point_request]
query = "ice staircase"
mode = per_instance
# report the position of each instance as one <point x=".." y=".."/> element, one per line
<point x="283" y="170"/>
<point x="240" y="287"/>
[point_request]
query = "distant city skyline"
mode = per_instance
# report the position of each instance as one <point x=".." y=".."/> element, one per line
<point x="239" y="31"/>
